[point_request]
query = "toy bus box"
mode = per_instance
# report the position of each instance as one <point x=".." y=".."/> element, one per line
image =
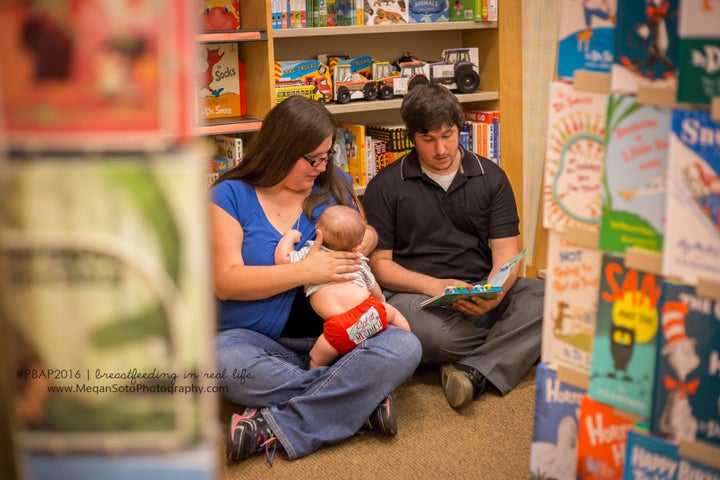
<point x="428" y="11"/>
<point x="308" y="72"/>
<point x="466" y="11"/>
<point x="221" y="83"/>
<point x="359" y="65"/>
<point x="108" y="80"/>
<point x="219" y="15"/>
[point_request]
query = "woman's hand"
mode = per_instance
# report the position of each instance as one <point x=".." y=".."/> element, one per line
<point x="322" y="267"/>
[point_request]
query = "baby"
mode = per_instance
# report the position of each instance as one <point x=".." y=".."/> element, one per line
<point x="353" y="311"/>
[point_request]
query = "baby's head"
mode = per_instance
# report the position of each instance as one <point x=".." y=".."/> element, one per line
<point x="343" y="227"/>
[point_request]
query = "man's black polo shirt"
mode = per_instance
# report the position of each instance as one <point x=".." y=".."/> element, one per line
<point x="438" y="233"/>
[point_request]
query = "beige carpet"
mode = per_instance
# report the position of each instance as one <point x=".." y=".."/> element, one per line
<point x="489" y="439"/>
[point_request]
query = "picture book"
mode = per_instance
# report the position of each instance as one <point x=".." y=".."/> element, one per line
<point x="125" y="265"/>
<point x="466" y="11"/>
<point x="646" y="46"/>
<point x="97" y="76"/>
<point x="354" y="137"/>
<point x="648" y="456"/>
<point x="428" y="11"/>
<point x="553" y="451"/>
<point x="602" y="440"/>
<point x="634" y="176"/>
<point x="571" y="296"/>
<point x="626" y="325"/>
<point x="692" y="230"/>
<point x="687" y="383"/>
<point x="219" y="15"/>
<point x="572" y="193"/>
<point x="221" y="82"/>
<point x="488" y="290"/>
<point x="699" y="19"/>
<point x="387" y="13"/>
<point x="699" y="77"/>
<point x="341" y="160"/>
<point x="586" y="36"/>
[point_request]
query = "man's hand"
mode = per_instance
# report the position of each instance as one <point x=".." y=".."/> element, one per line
<point x="475" y="306"/>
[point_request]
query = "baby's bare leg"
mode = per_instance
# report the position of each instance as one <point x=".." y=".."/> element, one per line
<point x="395" y="317"/>
<point x="322" y="353"/>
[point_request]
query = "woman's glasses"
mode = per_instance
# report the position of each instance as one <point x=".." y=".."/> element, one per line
<point x="314" y="161"/>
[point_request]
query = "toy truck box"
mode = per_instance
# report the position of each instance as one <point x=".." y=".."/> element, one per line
<point x="308" y="72"/>
<point x="221" y="89"/>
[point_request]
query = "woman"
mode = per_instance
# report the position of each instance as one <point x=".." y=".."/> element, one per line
<point x="266" y="325"/>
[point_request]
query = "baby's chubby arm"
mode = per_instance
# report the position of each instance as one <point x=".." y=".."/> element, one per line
<point x="285" y="246"/>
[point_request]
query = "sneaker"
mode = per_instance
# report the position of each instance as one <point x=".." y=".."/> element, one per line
<point x="461" y="383"/>
<point x="383" y="420"/>
<point x="249" y="433"/>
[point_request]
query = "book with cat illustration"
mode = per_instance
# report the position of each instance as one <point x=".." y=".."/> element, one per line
<point x="626" y="325"/>
<point x="486" y="290"/>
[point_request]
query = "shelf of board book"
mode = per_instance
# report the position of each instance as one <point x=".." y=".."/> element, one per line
<point x="629" y="380"/>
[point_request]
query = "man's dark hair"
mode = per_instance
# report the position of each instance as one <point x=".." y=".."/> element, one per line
<point x="429" y="107"/>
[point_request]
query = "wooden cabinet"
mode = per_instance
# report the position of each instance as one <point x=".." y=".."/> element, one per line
<point x="500" y="53"/>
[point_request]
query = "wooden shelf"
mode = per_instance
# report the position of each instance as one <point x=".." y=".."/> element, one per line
<point x="228" y="125"/>
<point x="375" y="29"/>
<point x="225" y="36"/>
<point x="394" y="104"/>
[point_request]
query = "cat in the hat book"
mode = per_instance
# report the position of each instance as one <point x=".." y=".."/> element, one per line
<point x="686" y="403"/>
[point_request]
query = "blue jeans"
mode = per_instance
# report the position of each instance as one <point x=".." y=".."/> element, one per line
<point x="308" y="408"/>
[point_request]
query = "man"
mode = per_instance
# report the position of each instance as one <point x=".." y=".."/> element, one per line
<point x="445" y="216"/>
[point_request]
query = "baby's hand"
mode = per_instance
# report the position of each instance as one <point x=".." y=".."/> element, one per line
<point x="294" y="235"/>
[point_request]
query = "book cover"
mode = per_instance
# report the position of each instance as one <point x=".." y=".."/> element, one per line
<point x="699" y="19"/>
<point x="219" y="15"/>
<point x="648" y="456"/>
<point x="571" y="295"/>
<point x="229" y="147"/>
<point x="553" y="451"/>
<point x="624" y="345"/>
<point x="221" y="82"/>
<point x="354" y="138"/>
<point x="387" y="13"/>
<point x="687" y="384"/>
<point x="488" y="290"/>
<point x="699" y="76"/>
<point x="466" y="11"/>
<point x="572" y="193"/>
<point x="634" y="176"/>
<point x="97" y="75"/>
<point x="646" y="46"/>
<point x="428" y="11"/>
<point x="125" y="265"/>
<point x="341" y="160"/>
<point x="602" y="440"/>
<point x="586" y="36"/>
<point x="692" y="230"/>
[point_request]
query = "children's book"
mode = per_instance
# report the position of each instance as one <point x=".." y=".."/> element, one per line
<point x="571" y="296"/>
<point x="687" y="383"/>
<point x="586" y="36"/>
<point x="648" y="456"/>
<point x="428" y="11"/>
<point x="692" y="231"/>
<point x="553" y="451"/>
<point x="698" y="76"/>
<point x="97" y="75"/>
<point x="488" y="290"/>
<point x="572" y="193"/>
<point x="354" y="137"/>
<point x="646" y="46"/>
<point x="634" y="176"/>
<point x="221" y="82"/>
<point x="602" y="440"/>
<point x="626" y="326"/>
<point x="125" y="264"/>
<point x="387" y="13"/>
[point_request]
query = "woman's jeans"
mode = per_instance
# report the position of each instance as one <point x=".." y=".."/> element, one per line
<point x="307" y="408"/>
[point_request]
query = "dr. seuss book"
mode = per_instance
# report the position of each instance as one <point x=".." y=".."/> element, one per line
<point x="490" y="289"/>
<point x="692" y="231"/>
<point x="699" y="51"/>
<point x="626" y="325"/>
<point x="553" y="452"/>
<point x="572" y="192"/>
<point x="602" y="440"/>
<point x="650" y="457"/>
<point x="646" y="45"/>
<point x="103" y="281"/>
<point x="571" y="293"/>
<point x="221" y="82"/>
<point x="686" y="403"/>
<point x="586" y="36"/>
<point x="96" y="75"/>
<point x="634" y="176"/>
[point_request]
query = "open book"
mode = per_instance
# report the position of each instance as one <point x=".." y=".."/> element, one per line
<point x="488" y="290"/>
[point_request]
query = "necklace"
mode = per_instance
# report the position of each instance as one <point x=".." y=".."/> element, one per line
<point x="282" y="215"/>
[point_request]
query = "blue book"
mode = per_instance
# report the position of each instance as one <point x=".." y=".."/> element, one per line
<point x="687" y="385"/>
<point x="624" y="345"/>
<point x="648" y="456"/>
